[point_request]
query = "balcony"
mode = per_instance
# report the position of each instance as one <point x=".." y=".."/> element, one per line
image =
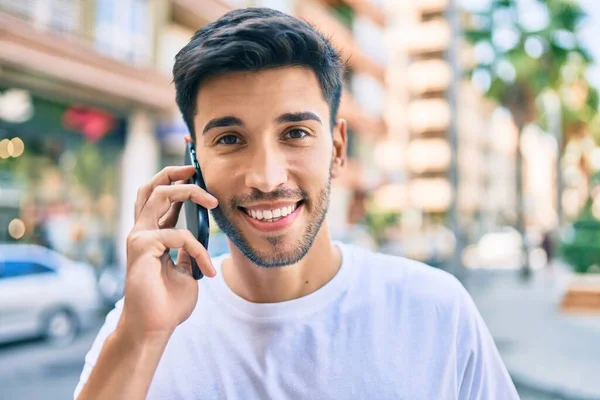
<point x="62" y="64"/>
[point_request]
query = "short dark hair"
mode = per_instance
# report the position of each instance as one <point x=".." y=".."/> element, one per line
<point x="253" y="39"/>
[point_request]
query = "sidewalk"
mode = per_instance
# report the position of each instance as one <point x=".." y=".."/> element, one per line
<point x="544" y="350"/>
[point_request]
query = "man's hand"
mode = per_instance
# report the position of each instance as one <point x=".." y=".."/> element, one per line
<point x="159" y="294"/>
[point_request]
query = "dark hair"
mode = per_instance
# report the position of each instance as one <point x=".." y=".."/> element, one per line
<point x="253" y="39"/>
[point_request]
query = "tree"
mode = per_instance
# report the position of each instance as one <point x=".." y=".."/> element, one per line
<point x="526" y="49"/>
<point x="581" y="246"/>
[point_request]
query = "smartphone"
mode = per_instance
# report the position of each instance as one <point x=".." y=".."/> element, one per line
<point x="196" y="216"/>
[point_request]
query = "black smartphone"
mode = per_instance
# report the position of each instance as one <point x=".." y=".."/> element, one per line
<point x="196" y="216"/>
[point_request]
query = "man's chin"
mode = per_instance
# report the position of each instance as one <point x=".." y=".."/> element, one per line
<point x="270" y="251"/>
<point x="279" y="260"/>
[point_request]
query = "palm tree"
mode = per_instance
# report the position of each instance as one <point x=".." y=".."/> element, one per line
<point x="525" y="50"/>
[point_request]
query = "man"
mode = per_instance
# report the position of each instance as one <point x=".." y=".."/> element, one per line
<point x="288" y="314"/>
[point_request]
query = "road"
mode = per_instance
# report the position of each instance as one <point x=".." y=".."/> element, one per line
<point x="542" y="347"/>
<point x="33" y="370"/>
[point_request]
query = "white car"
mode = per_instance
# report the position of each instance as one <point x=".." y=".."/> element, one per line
<point x="43" y="293"/>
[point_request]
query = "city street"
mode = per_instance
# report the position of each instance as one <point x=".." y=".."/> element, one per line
<point x="33" y="370"/>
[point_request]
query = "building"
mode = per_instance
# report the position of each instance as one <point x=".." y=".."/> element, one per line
<point x="451" y="175"/>
<point x="80" y="88"/>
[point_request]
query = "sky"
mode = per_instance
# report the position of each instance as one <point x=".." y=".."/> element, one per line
<point x="589" y="36"/>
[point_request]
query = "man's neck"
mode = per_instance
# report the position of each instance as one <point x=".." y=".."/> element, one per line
<point x="274" y="285"/>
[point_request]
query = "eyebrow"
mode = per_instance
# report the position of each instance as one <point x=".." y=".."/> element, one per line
<point x="298" y="117"/>
<point x="222" y="122"/>
<point x="230" y="120"/>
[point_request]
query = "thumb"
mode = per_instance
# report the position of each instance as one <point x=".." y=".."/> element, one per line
<point x="184" y="259"/>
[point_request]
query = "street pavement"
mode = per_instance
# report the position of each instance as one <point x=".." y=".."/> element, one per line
<point x="544" y="350"/>
<point x="34" y="370"/>
<point x="550" y="356"/>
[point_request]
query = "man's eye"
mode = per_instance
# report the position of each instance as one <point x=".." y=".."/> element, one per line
<point x="296" y="134"/>
<point x="228" y="139"/>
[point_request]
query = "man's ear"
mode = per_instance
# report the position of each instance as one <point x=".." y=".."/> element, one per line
<point x="340" y="140"/>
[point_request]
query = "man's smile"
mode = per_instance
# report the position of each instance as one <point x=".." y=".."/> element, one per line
<point x="270" y="218"/>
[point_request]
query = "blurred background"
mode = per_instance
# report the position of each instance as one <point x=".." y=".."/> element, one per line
<point x="474" y="144"/>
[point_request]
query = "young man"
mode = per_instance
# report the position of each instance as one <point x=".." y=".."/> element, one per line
<point x="288" y="314"/>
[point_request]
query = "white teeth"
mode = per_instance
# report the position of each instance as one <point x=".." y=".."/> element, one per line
<point x="271" y="214"/>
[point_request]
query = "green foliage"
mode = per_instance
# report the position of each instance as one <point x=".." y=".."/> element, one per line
<point x="581" y="249"/>
<point x="527" y="60"/>
<point x="344" y="13"/>
<point x="379" y="221"/>
<point x="95" y="171"/>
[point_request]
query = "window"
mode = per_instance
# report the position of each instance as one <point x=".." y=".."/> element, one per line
<point x="56" y="15"/>
<point x="13" y="269"/>
<point x="124" y="31"/>
<point x="63" y="15"/>
<point x="19" y="7"/>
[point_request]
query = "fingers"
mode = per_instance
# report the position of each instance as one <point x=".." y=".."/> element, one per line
<point x="163" y="197"/>
<point x="166" y="176"/>
<point x="169" y="220"/>
<point x="156" y="242"/>
<point x="183" y="257"/>
<point x="184" y="261"/>
<point x="183" y="239"/>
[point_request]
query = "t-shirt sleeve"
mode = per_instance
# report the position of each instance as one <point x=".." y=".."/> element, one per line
<point x="90" y="359"/>
<point x="481" y="370"/>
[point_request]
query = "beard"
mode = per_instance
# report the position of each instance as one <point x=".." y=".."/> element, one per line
<point x="316" y="209"/>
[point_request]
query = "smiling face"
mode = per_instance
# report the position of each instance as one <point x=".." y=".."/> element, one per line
<point x="267" y="152"/>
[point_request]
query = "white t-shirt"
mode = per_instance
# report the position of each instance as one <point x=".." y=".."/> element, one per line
<point x="383" y="328"/>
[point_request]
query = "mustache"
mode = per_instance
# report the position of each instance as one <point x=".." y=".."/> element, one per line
<point x="277" y="194"/>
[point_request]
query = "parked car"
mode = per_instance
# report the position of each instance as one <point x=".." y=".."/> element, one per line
<point x="43" y="293"/>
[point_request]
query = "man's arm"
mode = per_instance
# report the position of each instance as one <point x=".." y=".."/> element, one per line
<point x="118" y="365"/>
<point x="124" y="368"/>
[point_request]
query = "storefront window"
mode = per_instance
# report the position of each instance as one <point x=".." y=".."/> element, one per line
<point x="59" y="173"/>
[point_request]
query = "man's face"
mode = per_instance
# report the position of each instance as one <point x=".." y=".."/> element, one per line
<point x="267" y="153"/>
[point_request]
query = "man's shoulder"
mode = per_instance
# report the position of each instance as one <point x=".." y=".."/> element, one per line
<point x="408" y="278"/>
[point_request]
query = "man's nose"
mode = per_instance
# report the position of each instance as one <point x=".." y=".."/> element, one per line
<point x="266" y="171"/>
